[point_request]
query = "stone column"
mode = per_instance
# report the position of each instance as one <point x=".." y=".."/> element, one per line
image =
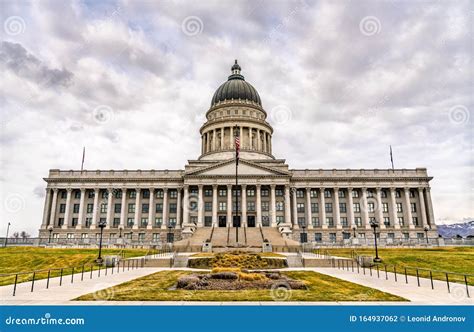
<point x="259" y="205"/>
<point x="272" y="206"/>
<point x="408" y="214"/>
<point x="350" y="208"/>
<point x="178" y="209"/>
<point x="110" y="210"/>
<point x="151" y="210"/>
<point x="365" y="209"/>
<point x="337" y="211"/>
<point x="422" y="208"/>
<point x="208" y="142"/>
<point x="54" y="204"/>
<point x="80" y="217"/>
<point x="47" y="202"/>
<point x="123" y="209"/>
<point x="200" y="207"/>
<point x="164" y="214"/>
<point x="269" y="143"/>
<point x="322" y="209"/>
<point x="137" y="208"/>
<point x="393" y="209"/>
<point x="95" y="210"/>
<point x="241" y="135"/>
<point x="67" y="212"/>
<point x="295" y="210"/>
<point x="264" y="142"/>
<point x="250" y="138"/>
<point x="244" y="205"/>
<point x="309" y="214"/>
<point x="259" y="144"/>
<point x="214" y="205"/>
<point x="379" y="210"/>
<point x="231" y="137"/>
<point x="287" y="205"/>
<point x="429" y="205"/>
<point x="186" y="206"/>
<point x="222" y="138"/>
<point x="214" y="140"/>
<point x="229" y="205"/>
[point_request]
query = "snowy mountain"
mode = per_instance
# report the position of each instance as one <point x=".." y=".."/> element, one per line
<point x="463" y="229"/>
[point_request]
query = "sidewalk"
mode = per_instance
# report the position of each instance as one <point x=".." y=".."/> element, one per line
<point x="417" y="295"/>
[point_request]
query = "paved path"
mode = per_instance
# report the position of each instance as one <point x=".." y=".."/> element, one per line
<point x="417" y="295"/>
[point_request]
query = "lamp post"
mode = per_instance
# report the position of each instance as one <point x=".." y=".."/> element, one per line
<point x="426" y="234"/>
<point x="374" y="225"/>
<point x="120" y="231"/>
<point x="6" y="237"/>
<point x="50" y="230"/>
<point x="101" y="226"/>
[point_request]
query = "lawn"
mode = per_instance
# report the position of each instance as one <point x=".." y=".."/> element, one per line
<point x="24" y="259"/>
<point x="450" y="259"/>
<point x="158" y="287"/>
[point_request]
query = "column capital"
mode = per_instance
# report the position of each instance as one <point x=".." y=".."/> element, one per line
<point x="243" y="185"/>
<point x="321" y="189"/>
<point x="420" y="189"/>
<point x="406" y="189"/>
<point x="258" y="186"/>
<point x="229" y="186"/>
<point x="110" y="190"/>
<point x="69" y="190"/>
<point x="215" y="186"/>
<point x="200" y="186"/>
<point x="335" y="189"/>
<point x="138" y="190"/>
<point x="378" y="189"/>
<point x="165" y="189"/>
<point x="392" y="189"/>
<point x="272" y="186"/>
<point x="96" y="190"/>
<point x="83" y="190"/>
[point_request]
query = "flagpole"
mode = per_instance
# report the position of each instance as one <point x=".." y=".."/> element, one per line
<point x="83" y="156"/>
<point x="391" y="158"/>
<point x="237" y="148"/>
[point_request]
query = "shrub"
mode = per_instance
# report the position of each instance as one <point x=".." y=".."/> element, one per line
<point x="225" y="275"/>
<point x="226" y="269"/>
<point x="187" y="281"/>
<point x="252" y="276"/>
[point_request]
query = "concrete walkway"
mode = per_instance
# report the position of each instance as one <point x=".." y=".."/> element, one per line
<point x="417" y="295"/>
<point x="57" y="294"/>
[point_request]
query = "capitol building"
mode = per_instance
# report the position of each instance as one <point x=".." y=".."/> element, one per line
<point x="270" y="203"/>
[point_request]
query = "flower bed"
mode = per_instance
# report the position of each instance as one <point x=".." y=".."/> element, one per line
<point x="238" y="260"/>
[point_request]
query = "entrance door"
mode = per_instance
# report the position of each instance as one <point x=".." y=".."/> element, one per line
<point x="251" y="221"/>
<point x="236" y="221"/>
<point x="222" y="221"/>
<point x="303" y="237"/>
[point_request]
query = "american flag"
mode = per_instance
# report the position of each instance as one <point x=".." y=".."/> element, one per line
<point x="237" y="147"/>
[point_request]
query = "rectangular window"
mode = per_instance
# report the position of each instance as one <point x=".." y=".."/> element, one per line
<point x="144" y="222"/>
<point x="74" y="221"/>
<point x="356" y="207"/>
<point x="342" y="207"/>
<point x="370" y="194"/>
<point x="145" y="208"/>
<point x="90" y="193"/>
<point x="116" y="222"/>
<point x="412" y="194"/>
<point x="401" y="222"/>
<point x="420" y="236"/>
<point x="358" y="221"/>
<point x="279" y="206"/>
<point x="399" y="207"/>
<point x="330" y="221"/>
<point x="173" y="208"/>
<point x="355" y="193"/>
<point x="207" y="206"/>
<point x="398" y="194"/>
<point x="313" y="193"/>
<point x="280" y="220"/>
<point x="88" y="222"/>
<point x="141" y="237"/>
<point x="251" y="206"/>
<point x="342" y="194"/>
<point x="372" y="220"/>
<point x="299" y="193"/>
<point x="332" y="237"/>
<point x="383" y="194"/>
<point x="315" y="221"/>
<point x="318" y="237"/>
<point x="77" y="194"/>
<point x="413" y="207"/>
<point x="208" y="192"/>
<point x="265" y="192"/>
<point x="301" y="221"/>
<point x="159" y="194"/>
<point x="222" y="206"/>
<point x="159" y="208"/>
<point x="155" y="237"/>
<point x="103" y="208"/>
<point x="415" y="221"/>
<point x="63" y="194"/>
<point x="105" y="193"/>
<point x="207" y="221"/>
<point x="118" y="194"/>
<point x="75" y="208"/>
<point x="371" y="207"/>
<point x="385" y="207"/>
<point x="386" y="221"/>
<point x="118" y="208"/>
<point x="222" y="192"/>
<point x="132" y="194"/>
<point x="265" y="206"/>
<point x="327" y="193"/>
<point x="250" y="192"/>
<point x="131" y="208"/>
<point x="391" y="235"/>
<point x="62" y="208"/>
<point x="328" y="207"/>
<point x="279" y="192"/>
<point x="406" y="236"/>
<point x="130" y="222"/>
<point x="300" y="207"/>
<point x="173" y="194"/>
<point x="344" y="222"/>
<point x="146" y="194"/>
<point x="314" y="208"/>
<point x="158" y="221"/>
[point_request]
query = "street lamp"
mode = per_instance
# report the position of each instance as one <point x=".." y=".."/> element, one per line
<point x="101" y="226"/>
<point x="354" y="230"/>
<point x="426" y="234"/>
<point x="120" y="231"/>
<point x="6" y="238"/>
<point x="50" y="230"/>
<point x="374" y="225"/>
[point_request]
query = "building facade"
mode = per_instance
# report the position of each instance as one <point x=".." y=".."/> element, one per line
<point x="323" y="205"/>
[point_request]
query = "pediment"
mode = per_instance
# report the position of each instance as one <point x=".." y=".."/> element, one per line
<point x="246" y="168"/>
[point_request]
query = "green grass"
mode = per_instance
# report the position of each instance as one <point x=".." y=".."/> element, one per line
<point x="156" y="287"/>
<point x="449" y="259"/>
<point x="25" y="259"/>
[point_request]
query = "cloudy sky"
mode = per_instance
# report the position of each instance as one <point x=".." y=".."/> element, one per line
<point x="132" y="80"/>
